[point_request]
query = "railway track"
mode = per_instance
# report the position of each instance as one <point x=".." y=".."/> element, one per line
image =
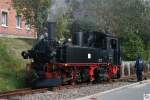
<point x="26" y="91"/>
<point x="20" y="92"/>
<point x="123" y="79"/>
<point x="133" y="77"/>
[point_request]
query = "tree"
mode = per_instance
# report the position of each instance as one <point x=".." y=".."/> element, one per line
<point x="125" y="18"/>
<point x="62" y="19"/>
<point x="132" y="46"/>
<point x="62" y="26"/>
<point x="35" y="11"/>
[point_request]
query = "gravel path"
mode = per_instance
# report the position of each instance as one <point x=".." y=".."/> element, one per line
<point x="70" y="94"/>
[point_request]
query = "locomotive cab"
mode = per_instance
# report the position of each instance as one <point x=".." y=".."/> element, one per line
<point x="110" y="44"/>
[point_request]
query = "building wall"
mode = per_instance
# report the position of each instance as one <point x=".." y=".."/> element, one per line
<point x="11" y="29"/>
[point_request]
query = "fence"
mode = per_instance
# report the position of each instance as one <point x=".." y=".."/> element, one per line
<point x="128" y="68"/>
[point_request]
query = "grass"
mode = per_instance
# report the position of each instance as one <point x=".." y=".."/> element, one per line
<point x="12" y="65"/>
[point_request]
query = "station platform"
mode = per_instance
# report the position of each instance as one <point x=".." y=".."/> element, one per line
<point x="135" y="91"/>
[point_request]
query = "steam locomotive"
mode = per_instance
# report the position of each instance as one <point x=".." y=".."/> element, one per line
<point x="89" y="57"/>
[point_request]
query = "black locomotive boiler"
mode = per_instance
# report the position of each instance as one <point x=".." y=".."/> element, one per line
<point x="91" y="56"/>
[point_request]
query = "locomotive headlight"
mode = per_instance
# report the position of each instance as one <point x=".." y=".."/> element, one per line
<point x="66" y="65"/>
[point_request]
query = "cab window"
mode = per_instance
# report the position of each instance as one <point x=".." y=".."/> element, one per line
<point x="113" y="44"/>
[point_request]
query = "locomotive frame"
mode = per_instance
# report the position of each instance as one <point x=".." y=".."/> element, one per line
<point x="54" y="78"/>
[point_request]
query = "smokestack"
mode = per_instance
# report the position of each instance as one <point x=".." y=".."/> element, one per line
<point x="51" y="30"/>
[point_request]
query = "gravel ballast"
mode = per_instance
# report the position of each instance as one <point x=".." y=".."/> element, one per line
<point x="73" y="93"/>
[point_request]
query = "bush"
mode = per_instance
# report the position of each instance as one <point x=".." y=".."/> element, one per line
<point x="132" y="45"/>
<point x="12" y="65"/>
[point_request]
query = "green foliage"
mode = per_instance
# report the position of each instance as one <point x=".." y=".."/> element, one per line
<point x="132" y="46"/>
<point x="86" y="24"/>
<point x="12" y="66"/>
<point x="35" y="10"/>
<point x="62" y="26"/>
<point x="9" y="73"/>
<point x="63" y="20"/>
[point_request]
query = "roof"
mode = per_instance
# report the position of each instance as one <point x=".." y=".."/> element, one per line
<point x="107" y="34"/>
